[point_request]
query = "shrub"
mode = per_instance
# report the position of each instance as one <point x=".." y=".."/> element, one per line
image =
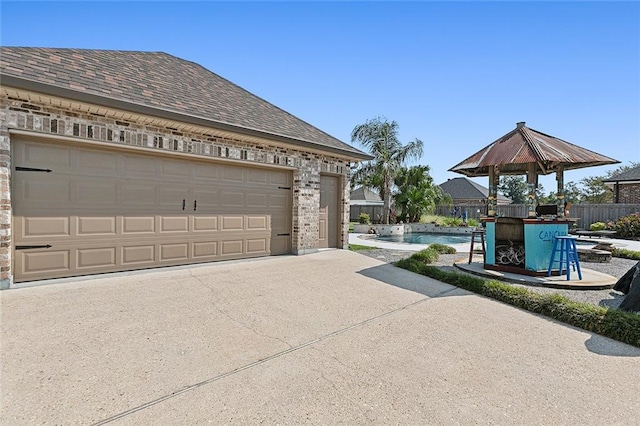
<point x="628" y="226"/>
<point x="452" y="221"/>
<point x="597" y="226"/>
<point x="612" y="323"/>
<point x="426" y="256"/>
<point x="442" y="249"/>
<point x="626" y="254"/>
<point x="364" y="219"/>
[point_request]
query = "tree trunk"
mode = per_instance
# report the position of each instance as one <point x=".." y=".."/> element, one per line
<point x="387" y="199"/>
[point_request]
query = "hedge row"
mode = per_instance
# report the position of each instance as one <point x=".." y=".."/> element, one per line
<point x="612" y="323"/>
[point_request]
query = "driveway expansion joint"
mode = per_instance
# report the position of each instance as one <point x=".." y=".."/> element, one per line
<point x="260" y="361"/>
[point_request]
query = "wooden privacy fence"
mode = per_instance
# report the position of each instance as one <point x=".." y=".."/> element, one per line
<point x="585" y="213"/>
<point x="375" y="212"/>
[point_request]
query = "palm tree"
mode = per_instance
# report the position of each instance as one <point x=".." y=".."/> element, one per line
<point x="380" y="137"/>
<point x="416" y="193"/>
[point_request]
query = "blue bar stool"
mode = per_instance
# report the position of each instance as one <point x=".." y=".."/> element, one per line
<point x="479" y="233"/>
<point x="565" y="246"/>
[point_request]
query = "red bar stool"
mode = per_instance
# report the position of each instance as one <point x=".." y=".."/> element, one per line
<point x="479" y="233"/>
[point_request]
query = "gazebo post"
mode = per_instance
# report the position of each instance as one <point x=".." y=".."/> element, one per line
<point x="492" y="198"/>
<point x="532" y="178"/>
<point x="560" y="196"/>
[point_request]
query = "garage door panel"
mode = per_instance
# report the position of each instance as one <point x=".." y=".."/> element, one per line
<point x="103" y="210"/>
<point x="33" y="262"/>
<point x="136" y="195"/>
<point x="175" y="169"/>
<point x="208" y="198"/>
<point x="232" y="199"/>
<point x="138" y="224"/>
<point x="90" y="258"/>
<point x="138" y="254"/>
<point x="257" y="222"/>
<point x="37" y="227"/>
<point x="205" y="223"/>
<point x="232" y="248"/>
<point x="278" y="201"/>
<point x="95" y="226"/>
<point x="209" y="172"/>
<point x="139" y="166"/>
<point x="257" y="200"/>
<point x="205" y="249"/>
<point x="43" y="155"/>
<point x="174" y="252"/>
<point x="174" y="224"/>
<point x="37" y="191"/>
<point x="97" y="163"/>
<point x="233" y="174"/>
<point x="257" y="246"/>
<point x="257" y="176"/>
<point x="232" y="223"/>
<point x="95" y="192"/>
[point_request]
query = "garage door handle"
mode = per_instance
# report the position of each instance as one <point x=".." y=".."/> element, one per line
<point x="32" y="169"/>
<point x="184" y="203"/>
<point x="195" y="205"/>
<point x="33" y="247"/>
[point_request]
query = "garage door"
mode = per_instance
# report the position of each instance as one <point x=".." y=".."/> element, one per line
<point x="80" y="210"/>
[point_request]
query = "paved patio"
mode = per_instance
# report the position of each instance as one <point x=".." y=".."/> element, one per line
<point x="333" y="337"/>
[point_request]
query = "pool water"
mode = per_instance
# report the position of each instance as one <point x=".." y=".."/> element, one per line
<point x="447" y="239"/>
<point x="418" y="238"/>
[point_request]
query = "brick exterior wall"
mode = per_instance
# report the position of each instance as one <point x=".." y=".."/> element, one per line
<point x="44" y="119"/>
<point x="629" y="193"/>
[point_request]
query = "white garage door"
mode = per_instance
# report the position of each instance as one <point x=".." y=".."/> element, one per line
<point x="83" y="210"/>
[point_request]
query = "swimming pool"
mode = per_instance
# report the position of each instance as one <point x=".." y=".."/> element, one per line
<point x="419" y="238"/>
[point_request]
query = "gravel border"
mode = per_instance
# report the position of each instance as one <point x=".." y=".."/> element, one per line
<point x="610" y="298"/>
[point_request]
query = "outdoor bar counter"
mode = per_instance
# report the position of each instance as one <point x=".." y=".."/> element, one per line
<point x="507" y="237"/>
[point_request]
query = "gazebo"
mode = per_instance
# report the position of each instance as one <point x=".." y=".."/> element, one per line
<point x="525" y="151"/>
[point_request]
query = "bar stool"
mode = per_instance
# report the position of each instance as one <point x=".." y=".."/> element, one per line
<point x="479" y="233"/>
<point x="565" y="246"/>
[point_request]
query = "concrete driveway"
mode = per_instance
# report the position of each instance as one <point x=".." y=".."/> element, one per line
<point x="333" y="337"/>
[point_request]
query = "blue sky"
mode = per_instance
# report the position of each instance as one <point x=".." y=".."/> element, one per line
<point x="456" y="75"/>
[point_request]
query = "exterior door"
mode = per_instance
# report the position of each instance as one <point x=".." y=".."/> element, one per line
<point x="329" y="211"/>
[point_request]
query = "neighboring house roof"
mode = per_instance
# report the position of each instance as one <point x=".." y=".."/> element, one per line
<point x="362" y="195"/>
<point x="158" y="84"/>
<point x="466" y="189"/>
<point x="523" y="146"/>
<point x="629" y="176"/>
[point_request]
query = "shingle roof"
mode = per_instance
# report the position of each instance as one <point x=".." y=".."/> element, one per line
<point x="466" y="189"/>
<point x="160" y="81"/>
<point x="364" y="194"/>
<point x="522" y="146"/>
<point x="632" y="174"/>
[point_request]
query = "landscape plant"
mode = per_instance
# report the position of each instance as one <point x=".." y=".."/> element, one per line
<point x="612" y="323"/>
<point x="416" y="193"/>
<point x="442" y="248"/>
<point x="627" y="226"/>
<point x="380" y="137"/>
<point x="364" y="219"/>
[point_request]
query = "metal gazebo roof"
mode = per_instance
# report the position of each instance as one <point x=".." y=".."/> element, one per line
<point x="514" y="152"/>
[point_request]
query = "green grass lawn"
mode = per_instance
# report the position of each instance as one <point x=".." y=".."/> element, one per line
<point x="358" y="247"/>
